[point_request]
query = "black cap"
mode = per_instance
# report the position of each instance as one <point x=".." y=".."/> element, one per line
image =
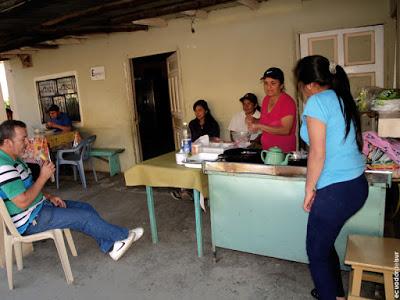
<point x="251" y="97"/>
<point x="274" y="73"/>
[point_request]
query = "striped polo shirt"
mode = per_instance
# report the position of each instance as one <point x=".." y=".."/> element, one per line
<point x="16" y="178"/>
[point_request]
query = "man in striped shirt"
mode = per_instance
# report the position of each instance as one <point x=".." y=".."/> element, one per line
<point x="34" y="211"/>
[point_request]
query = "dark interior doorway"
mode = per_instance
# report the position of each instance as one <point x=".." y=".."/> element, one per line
<point x="153" y="104"/>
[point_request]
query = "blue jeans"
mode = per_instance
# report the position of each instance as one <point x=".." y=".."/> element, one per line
<point x="81" y="217"/>
<point x="333" y="206"/>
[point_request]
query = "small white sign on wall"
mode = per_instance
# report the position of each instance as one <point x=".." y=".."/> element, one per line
<point x="97" y="73"/>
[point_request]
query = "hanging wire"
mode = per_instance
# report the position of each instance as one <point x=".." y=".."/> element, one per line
<point x="192" y="25"/>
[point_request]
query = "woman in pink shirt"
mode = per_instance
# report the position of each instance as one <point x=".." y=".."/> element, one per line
<point x="278" y="114"/>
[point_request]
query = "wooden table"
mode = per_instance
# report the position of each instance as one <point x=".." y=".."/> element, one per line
<point x="59" y="139"/>
<point x="163" y="171"/>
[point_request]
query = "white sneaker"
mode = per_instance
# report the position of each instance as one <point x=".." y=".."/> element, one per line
<point x="121" y="246"/>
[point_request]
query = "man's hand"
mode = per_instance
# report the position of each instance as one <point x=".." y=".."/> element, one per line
<point x="47" y="170"/>
<point x="57" y="201"/>
<point x="52" y="124"/>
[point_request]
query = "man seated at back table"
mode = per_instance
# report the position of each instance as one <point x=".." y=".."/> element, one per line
<point x="34" y="211"/>
<point x="58" y="120"/>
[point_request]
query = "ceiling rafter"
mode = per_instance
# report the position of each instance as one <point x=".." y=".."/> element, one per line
<point x="152" y="22"/>
<point x="196" y="13"/>
<point x="41" y="24"/>
<point x="252" y="4"/>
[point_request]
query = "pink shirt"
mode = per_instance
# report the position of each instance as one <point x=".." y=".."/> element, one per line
<point x="285" y="106"/>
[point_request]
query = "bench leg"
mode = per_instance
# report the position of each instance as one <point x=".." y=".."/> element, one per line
<point x="113" y="163"/>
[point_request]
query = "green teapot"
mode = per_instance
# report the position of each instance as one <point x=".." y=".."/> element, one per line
<point x="274" y="156"/>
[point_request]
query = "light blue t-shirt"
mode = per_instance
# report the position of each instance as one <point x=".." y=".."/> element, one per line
<point x="343" y="161"/>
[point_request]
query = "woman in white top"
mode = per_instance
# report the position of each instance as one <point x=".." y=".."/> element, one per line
<point x="250" y="108"/>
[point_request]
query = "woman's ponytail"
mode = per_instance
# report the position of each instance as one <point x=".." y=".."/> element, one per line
<point x="341" y="86"/>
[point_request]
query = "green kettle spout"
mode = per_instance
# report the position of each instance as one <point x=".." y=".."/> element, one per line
<point x="285" y="162"/>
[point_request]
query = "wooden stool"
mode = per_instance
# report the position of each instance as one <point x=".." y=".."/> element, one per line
<point x="368" y="254"/>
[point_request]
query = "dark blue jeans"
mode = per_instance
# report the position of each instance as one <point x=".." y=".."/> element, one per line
<point x="333" y="206"/>
<point x="81" y="217"/>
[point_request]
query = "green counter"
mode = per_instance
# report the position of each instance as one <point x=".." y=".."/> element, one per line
<point x="255" y="212"/>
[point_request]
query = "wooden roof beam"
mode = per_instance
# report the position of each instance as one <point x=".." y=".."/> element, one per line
<point x="38" y="47"/>
<point x="10" y="5"/>
<point x="63" y="41"/>
<point x="252" y="4"/>
<point x="18" y="52"/>
<point x="86" y="12"/>
<point x="165" y="10"/>
<point x="152" y="22"/>
<point x="196" y="13"/>
<point x="39" y="36"/>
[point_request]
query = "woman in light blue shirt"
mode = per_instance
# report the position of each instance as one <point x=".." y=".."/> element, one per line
<point x="336" y="187"/>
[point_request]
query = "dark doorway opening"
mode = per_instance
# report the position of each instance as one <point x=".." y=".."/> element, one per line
<point x="153" y="105"/>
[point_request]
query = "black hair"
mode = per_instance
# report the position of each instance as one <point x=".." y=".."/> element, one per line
<point x="203" y="104"/>
<point x="53" y="107"/>
<point x="7" y="129"/>
<point x="316" y="68"/>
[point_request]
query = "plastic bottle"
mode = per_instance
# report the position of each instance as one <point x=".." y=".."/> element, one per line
<point x="186" y="142"/>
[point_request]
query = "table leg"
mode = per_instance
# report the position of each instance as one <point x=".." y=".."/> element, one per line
<point x="152" y="215"/>
<point x="199" y="226"/>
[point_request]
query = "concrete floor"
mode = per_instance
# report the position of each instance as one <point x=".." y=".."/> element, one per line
<point x="167" y="270"/>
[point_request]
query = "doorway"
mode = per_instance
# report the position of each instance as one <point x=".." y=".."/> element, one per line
<point x="153" y="105"/>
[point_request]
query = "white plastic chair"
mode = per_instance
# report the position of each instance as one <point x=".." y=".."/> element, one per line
<point x="13" y="238"/>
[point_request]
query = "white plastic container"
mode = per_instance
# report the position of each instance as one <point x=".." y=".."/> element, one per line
<point x="180" y="157"/>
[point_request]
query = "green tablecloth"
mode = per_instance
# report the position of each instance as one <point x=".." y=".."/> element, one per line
<point x="163" y="171"/>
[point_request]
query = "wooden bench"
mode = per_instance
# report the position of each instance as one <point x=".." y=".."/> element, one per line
<point x="372" y="259"/>
<point x="110" y="155"/>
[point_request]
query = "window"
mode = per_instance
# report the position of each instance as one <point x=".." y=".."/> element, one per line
<point x="61" y="91"/>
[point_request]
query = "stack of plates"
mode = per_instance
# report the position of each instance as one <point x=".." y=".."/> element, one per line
<point x="195" y="161"/>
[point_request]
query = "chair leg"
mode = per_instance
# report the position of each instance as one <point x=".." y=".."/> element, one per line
<point x="57" y="175"/>
<point x="70" y="242"/>
<point x="74" y="169"/>
<point x="62" y="253"/>
<point x="82" y="173"/>
<point x="94" y="170"/>
<point x="18" y="255"/>
<point x="8" y="256"/>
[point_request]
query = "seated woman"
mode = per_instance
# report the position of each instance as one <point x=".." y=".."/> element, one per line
<point x="204" y="123"/>
<point x="250" y="108"/>
<point x="278" y="114"/>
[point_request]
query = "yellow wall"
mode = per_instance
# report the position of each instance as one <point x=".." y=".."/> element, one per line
<point x="220" y="62"/>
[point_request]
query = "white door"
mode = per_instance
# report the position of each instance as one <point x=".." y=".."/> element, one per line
<point x="175" y="96"/>
<point x="358" y="50"/>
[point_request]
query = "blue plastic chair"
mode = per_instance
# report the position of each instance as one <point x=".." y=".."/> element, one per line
<point x="75" y="157"/>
